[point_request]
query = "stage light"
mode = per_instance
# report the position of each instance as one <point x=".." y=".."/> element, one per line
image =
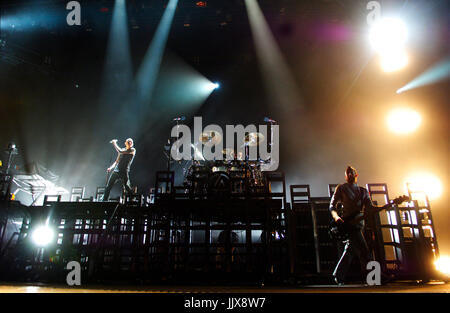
<point x="201" y="4"/>
<point x="42" y="236"/>
<point x="436" y="73"/>
<point x="393" y="60"/>
<point x="388" y="37"/>
<point x="443" y="265"/>
<point x="426" y="183"/>
<point x="388" y="34"/>
<point x="209" y="86"/>
<point x="403" y="120"/>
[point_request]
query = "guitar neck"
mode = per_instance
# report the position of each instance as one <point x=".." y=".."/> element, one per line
<point x="378" y="209"/>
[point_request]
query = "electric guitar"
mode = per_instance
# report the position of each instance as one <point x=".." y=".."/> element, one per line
<point x="340" y="230"/>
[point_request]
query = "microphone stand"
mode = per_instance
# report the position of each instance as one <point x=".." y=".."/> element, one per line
<point x="8" y="178"/>
<point x="107" y="173"/>
<point x="169" y="160"/>
<point x="271" y="122"/>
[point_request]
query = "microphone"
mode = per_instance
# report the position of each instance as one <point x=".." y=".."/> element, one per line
<point x="269" y="120"/>
<point x="181" y="118"/>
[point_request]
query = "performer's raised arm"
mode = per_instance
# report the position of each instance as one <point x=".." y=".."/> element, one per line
<point x="129" y="150"/>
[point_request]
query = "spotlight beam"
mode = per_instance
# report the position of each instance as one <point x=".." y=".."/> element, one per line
<point x="180" y="89"/>
<point x="437" y="73"/>
<point x="277" y="77"/>
<point x="117" y="74"/>
<point x="135" y="109"/>
<point x="148" y="71"/>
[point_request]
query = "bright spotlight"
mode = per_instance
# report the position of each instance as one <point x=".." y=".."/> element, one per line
<point x="443" y="265"/>
<point x="427" y="183"/>
<point x="42" y="236"/>
<point x="209" y="87"/>
<point x="393" y="60"/>
<point x="403" y="121"/>
<point x="388" y="34"/>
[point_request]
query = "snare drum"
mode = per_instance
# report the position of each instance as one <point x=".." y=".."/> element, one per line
<point x="219" y="184"/>
<point x="197" y="173"/>
<point x="237" y="169"/>
<point x="219" y="166"/>
<point x="197" y="177"/>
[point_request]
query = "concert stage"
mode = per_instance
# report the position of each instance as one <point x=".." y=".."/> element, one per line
<point x="164" y="143"/>
<point x="180" y="236"/>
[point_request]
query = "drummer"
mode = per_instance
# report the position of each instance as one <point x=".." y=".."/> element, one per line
<point x="228" y="154"/>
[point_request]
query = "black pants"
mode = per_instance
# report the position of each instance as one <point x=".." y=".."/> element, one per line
<point x="355" y="246"/>
<point x="124" y="177"/>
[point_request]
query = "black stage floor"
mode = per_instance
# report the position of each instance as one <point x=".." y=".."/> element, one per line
<point x="398" y="287"/>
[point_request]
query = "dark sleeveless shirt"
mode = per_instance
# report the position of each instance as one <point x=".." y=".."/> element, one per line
<point x="125" y="160"/>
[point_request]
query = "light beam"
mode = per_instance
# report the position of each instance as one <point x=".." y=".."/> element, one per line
<point x="148" y="71"/>
<point x="437" y="73"/>
<point x="276" y="74"/>
<point x="117" y="74"/>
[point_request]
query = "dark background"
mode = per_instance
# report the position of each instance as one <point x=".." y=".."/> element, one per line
<point x="51" y="81"/>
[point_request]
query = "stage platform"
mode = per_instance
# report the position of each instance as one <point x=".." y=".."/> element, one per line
<point x="398" y="287"/>
<point x="179" y="238"/>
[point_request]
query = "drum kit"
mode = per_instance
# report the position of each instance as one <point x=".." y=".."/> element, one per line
<point x="233" y="173"/>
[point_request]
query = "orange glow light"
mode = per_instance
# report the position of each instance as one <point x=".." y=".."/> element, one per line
<point x="426" y="183"/>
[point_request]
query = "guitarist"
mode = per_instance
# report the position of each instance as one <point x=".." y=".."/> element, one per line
<point x="353" y="200"/>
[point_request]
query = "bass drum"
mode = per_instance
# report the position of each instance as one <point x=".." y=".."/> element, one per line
<point x="219" y="184"/>
<point x="197" y="178"/>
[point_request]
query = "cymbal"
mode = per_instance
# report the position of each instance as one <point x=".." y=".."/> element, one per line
<point x="228" y="152"/>
<point x="210" y="138"/>
<point x="253" y="139"/>
<point x="197" y="153"/>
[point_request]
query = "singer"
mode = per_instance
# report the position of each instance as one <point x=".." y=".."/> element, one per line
<point x="121" y="167"/>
